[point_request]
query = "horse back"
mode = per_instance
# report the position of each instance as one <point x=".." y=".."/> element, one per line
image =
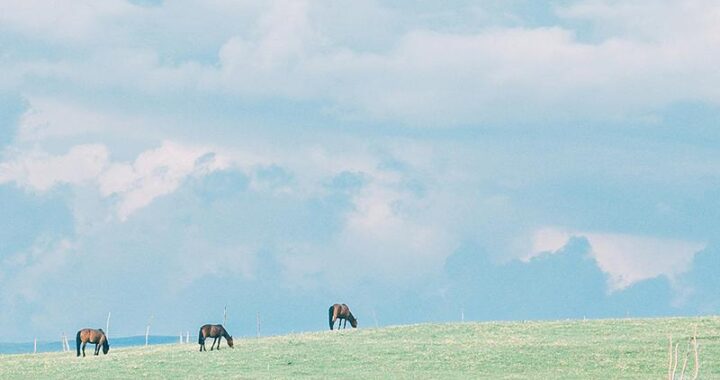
<point x="344" y="310"/>
<point x="340" y="310"/>
<point x="212" y="331"/>
<point x="92" y="335"/>
<point x="336" y="310"/>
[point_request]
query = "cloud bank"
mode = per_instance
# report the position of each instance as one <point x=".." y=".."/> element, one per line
<point x="561" y="158"/>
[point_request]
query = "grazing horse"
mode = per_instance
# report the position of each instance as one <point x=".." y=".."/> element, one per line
<point x="341" y="312"/>
<point x="86" y="336"/>
<point x="213" y="331"/>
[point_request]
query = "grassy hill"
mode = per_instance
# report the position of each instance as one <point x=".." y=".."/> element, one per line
<point x="596" y="349"/>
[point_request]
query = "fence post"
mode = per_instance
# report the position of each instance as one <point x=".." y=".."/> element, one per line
<point x="147" y="330"/>
<point x="225" y="316"/>
<point x="107" y="326"/>
<point x="257" y="324"/>
<point x="35" y="347"/>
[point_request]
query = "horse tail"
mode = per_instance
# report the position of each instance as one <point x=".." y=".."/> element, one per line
<point x="330" y="316"/>
<point x="77" y="342"/>
<point x="200" y="337"/>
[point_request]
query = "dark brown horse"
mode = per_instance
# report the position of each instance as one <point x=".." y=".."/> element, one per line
<point x="213" y="331"/>
<point x="86" y="336"/>
<point x="341" y="312"/>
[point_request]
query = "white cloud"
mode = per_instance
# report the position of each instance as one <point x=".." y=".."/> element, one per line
<point x="548" y="240"/>
<point x="40" y="171"/>
<point x="154" y="173"/>
<point x="627" y="259"/>
<point x="48" y="118"/>
<point x="647" y="21"/>
<point x="68" y="21"/>
<point x="497" y="74"/>
<point x="389" y="236"/>
<point x="428" y="76"/>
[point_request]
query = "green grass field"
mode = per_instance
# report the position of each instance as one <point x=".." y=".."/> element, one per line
<point x="593" y="349"/>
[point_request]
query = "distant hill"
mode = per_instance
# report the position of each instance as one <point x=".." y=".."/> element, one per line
<point x="25" y="348"/>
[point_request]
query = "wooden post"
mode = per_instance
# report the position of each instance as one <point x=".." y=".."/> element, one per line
<point x="670" y="359"/>
<point x="697" y="358"/>
<point x="64" y="343"/>
<point x="187" y="337"/>
<point x="35" y="347"/>
<point x="257" y="324"/>
<point x="462" y="315"/>
<point x="147" y="330"/>
<point x="107" y="326"/>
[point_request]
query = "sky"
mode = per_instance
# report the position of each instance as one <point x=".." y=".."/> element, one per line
<point x="419" y="161"/>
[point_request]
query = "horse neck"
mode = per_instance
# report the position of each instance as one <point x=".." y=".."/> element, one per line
<point x="220" y="331"/>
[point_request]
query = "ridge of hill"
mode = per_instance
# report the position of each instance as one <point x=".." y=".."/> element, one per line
<point x="572" y="349"/>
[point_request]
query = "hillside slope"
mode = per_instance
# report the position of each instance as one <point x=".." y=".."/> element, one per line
<point x="628" y="348"/>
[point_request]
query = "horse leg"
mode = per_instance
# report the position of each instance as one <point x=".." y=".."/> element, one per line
<point x="97" y="348"/>
<point x="219" y="341"/>
<point x="212" y="346"/>
<point x="83" y="348"/>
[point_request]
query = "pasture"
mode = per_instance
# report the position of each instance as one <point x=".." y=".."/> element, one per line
<point x="593" y="349"/>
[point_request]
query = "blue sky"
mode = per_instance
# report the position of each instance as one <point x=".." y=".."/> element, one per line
<point x="510" y="159"/>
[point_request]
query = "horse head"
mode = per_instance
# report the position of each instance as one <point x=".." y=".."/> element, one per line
<point x="353" y="321"/>
<point x="229" y="341"/>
